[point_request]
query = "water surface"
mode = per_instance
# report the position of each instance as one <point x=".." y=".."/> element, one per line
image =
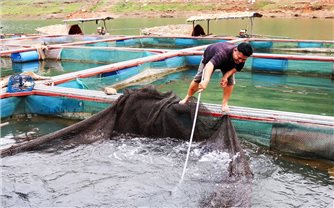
<point x="298" y="28"/>
<point x="143" y="172"/>
<point x="292" y="93"/>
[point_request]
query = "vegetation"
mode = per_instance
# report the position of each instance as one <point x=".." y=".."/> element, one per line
<point x="137" y="6"/>
<point x="263" y="5"/>
<point x="65" y="8"/>
<point x="37" y="7"/>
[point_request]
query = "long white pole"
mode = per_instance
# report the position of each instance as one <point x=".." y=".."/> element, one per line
<point x="192" y="131"/>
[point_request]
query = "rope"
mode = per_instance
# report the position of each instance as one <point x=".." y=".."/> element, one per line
<point x="41" y="50"/>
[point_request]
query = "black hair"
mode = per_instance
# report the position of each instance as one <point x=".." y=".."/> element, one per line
<point x="245" y="48"/>
<point x="198" y="31"/>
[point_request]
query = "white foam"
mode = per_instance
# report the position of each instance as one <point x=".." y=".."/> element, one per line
<point x="215" y="156"/>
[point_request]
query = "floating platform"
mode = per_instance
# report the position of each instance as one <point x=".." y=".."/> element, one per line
<point x="295" y="133"/>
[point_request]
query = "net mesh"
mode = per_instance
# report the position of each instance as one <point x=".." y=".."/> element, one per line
<point x="101" y="56"/>
<point x="153" y="114"/>
<point x="305" y="141"/>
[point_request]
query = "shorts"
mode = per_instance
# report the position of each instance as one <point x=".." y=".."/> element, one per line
<point x="198" y="76"/>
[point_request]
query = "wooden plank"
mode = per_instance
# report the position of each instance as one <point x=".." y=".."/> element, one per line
<point x="242" y="113"/>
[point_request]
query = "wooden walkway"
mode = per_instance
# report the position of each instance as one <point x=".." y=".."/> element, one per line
<point x="241" y="113"/>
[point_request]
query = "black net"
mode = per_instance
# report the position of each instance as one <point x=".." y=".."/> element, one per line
<point x="235" y="189"/>
<point x="150" y="113"/>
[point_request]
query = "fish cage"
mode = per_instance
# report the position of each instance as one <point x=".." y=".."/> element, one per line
<point x="89" y="64"/>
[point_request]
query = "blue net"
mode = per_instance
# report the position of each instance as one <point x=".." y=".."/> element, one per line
<point x="20" y="83"/>
<point x="95" y="55"/>
<point x="9" y="106"/>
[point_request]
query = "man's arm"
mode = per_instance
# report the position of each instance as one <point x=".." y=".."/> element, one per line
<point x="207" y="72"/>
<point x="223" y="82"/>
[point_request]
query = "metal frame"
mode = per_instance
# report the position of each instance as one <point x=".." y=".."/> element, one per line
<point x="237" y="15"/>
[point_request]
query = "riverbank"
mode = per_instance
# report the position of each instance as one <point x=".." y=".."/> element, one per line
<point x="67" y="9"/>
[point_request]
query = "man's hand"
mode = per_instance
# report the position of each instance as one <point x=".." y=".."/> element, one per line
<point x="202" y="85"/>
<point x="223" y="82"/>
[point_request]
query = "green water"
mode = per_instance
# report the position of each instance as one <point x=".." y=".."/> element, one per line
<point x="44" y="68"/>
<point x="299" y="28"/>
<point x="310" y="95"/>
<point x="106" y="172"/>
<point x="23" y="128"/>
<point x="285" y="92"/>
<point x="292" y="93"/>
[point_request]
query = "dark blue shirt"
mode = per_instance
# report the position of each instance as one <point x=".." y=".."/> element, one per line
<point x="220" y="55"/>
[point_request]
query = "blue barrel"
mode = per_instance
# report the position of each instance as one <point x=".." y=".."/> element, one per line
<point x="24" y="56"/>
<point x="193" y="60"/>
<point x="267" y="64"/>
<point x="309" y="45"/>
<point x="186" y="42"/>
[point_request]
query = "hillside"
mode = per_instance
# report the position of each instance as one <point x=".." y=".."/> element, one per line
<point x="64" y="9"/>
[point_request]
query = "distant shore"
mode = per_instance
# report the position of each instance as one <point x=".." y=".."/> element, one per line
<point x="174" y="14"/>
<point x="177" y="14"/>
<point x="323" y="9"/>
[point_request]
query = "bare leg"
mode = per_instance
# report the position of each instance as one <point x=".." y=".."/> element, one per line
<point x="227" y="94"/>
<point x="34" y="75"/>
<point x="4" y="82"/>
<point x="193" y="87"/>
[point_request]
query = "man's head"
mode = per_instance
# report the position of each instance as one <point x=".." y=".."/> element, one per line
<point x="242" y="52"/>
<point x="99" y="30"/>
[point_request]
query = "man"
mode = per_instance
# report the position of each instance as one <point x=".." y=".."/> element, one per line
<point x="101" y="31"/>
<point x="227" y="57"/>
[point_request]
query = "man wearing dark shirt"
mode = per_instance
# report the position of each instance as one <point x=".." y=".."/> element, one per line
<point x="227" y="57"/>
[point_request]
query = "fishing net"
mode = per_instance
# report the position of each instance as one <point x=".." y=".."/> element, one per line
<point x="236" y="187"/>
<point x="20" y="83"/>
<point x="153" y="114"/>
